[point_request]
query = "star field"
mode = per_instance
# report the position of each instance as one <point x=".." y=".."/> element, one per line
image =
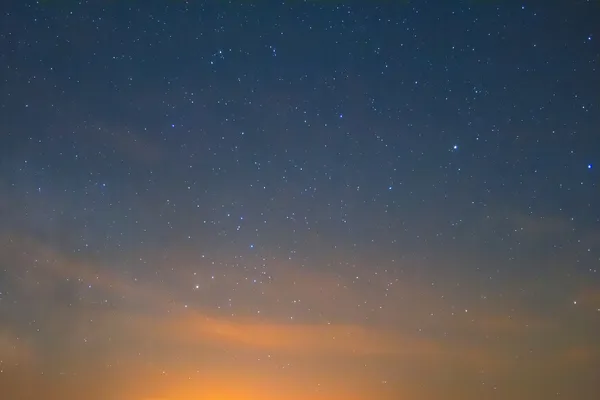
<point x="299" y="200"/>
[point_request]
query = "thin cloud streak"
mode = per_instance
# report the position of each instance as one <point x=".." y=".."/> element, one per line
<point x="168" y="321"/>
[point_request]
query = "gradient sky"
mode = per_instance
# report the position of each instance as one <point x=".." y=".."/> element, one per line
<point x="318" y="200"/>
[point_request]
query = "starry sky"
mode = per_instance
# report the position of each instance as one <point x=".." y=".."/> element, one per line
<point x="324" y="200"/>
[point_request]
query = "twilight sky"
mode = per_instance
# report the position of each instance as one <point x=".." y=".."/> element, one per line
<point x="303" y="200"/>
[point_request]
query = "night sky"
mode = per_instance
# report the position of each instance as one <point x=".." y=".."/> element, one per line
<point x="316" y="200"/>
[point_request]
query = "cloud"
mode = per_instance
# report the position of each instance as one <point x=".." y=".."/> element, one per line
<point x="589" y="296"/>
<point x="14" y="350"/>
<point x="195" y="327"/>
<point x="51" y="268"/>
<point x="131" y="145"/>
<point x="512" y="324"/>
<point x="539" y="225"/>
<point x="583" y="354"/>
<point x="152" y="312"/>
<point x="298" y="339"/>
<point x="137" y="147"/>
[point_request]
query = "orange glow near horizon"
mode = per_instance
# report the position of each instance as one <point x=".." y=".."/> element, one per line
<point x="162" y="349"/>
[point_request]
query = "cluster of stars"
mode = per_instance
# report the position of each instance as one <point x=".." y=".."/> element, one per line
<point x="268" y="168"/>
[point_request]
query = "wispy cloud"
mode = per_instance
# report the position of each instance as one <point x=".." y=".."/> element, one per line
<point x="513" y="324"/>
<point x="165" y="319"/>
<point x="298" y="339"/>
<point x="579" y="355"/>
<point x="589" y="296"/>
<point x="196" y="327"/>
<point x="129" y="144"/>
<point x="541" y="225"/>
<point x="137" y="147"/>
<point x="14" y="350"/>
